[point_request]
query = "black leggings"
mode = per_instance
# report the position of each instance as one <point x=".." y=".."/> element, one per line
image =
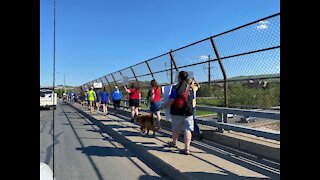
<point x="116" y="104"/>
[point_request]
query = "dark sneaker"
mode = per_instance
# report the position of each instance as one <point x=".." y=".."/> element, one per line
<point x="184" y="151"/>
<point x="170" y="144"/>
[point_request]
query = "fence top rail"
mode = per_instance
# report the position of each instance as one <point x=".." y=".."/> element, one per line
<point x="244" y="112"/>
<point x="205" y="39"/>
<point x="248" y="24"/>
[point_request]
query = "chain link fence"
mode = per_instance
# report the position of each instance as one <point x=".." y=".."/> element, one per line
<point x="237" y="68"/>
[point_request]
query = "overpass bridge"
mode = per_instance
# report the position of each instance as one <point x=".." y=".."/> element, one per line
<point x="223" y="64"/>
<point x="226" y="155"/>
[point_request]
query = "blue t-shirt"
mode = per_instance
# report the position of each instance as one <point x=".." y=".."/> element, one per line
<point x="116" y="95"/>
<point x="104" y="96"/>
<point x="173" y="94"/>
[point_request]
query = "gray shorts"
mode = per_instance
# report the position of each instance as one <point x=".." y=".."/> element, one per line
<point x="182" y="123"/>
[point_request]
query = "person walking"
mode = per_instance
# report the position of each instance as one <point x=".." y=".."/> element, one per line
<point x="154" y="96"/>
<point x="82" y="97"/>
<point x="134" y="99"/>
<point x="195" y="87"/>
<point x="181" y="110"/>
<point x="98" y="99"/>
<point x="91" y="99"/>
<point x="116" y="98"/>
<point x="104" y="100"/>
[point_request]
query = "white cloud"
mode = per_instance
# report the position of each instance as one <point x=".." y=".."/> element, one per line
<point x="264" y="22"/>
<point x="204" y="58"/>
<point x="198" y="59"/>
<point x="263" y="25"/>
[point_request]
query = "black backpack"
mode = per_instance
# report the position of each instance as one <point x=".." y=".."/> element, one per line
<point x="182" y="105"/>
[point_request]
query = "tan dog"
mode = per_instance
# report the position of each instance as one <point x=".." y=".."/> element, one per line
<point x="146" y="123"/>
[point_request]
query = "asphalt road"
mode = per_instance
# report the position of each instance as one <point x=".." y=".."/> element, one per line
<point x="82" y="151"/>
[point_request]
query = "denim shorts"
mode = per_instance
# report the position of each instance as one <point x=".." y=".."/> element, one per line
<point x="182" y="123"/>
<point x="155" y="106"/>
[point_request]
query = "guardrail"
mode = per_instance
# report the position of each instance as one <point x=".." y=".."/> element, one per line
<point x="222" y="120"/>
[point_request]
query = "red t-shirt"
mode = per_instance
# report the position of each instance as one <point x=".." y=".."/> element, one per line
<point x="157" y="94"/>
<point x="134" y="94"/>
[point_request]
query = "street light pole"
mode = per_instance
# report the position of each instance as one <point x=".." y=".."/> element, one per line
<point x="64" y="82"/>
<point x="54" y="79"/>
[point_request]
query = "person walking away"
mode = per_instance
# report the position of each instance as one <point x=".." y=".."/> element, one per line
<point x="75" y="97"/>
<point x="154" y="97"/>
<point x="134" y="100"/>
<point x="98" y="99"/>
<point x="91" y="99"/>
<point x="69" y="96"/>
<point x="82" y="97"/>
<point x="86" y="99"/>
<point x="195" y="87"/>
<point x="116" y="98"/>
<point x="104" y="100"/>
<point x="181" y="110"/>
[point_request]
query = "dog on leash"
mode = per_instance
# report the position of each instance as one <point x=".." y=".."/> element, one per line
<point x="146" y="123"/>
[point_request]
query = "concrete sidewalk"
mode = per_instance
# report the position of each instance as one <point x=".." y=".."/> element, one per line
<point x="259" y="146"/>
<point x="205" y="162"/>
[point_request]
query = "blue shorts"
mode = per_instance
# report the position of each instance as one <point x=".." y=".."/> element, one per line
<point x="155" y="106"/>
<point x="104" y="102"/>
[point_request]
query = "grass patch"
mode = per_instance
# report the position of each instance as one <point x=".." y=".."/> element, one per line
<point x="201" y="113"/>
<point x="210" y="102"/>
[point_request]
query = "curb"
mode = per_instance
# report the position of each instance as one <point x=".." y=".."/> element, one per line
<point x="258" y="149"/>
<point x="261" y="150"/>
<point x="154" y="162"/>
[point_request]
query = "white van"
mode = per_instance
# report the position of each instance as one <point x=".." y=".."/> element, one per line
<point x="48" y="98"/>
<point x="46" y="172"/>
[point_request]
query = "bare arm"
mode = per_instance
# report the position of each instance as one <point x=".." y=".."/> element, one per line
<point x="127" y="90"/>
<point x="197" y="84"/>
<point x="152" y="97"/>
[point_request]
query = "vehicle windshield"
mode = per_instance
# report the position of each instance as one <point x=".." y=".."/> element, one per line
<point x="45" y="92"/>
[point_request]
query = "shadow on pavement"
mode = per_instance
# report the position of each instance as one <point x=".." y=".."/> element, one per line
<point x="130" y="133"/>
<point x="222" y="176"/>
<point x="149" y="177"/>
<point x="104" y="151"/>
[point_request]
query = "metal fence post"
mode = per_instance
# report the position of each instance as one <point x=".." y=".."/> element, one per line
<point x="222" y="117"/>
<point x="101" y="81"/>
<point x="149" y="69"/>
<point x="108" y="83"/>
<point x="171" y="73"/>
<point x="120" y="73"/>
<point x="223" y="72"/>
<point x="209" y="74"/>
<point x="114" y="80"/>
<point x="134" y="74"/>
<point x="172" y="62"/>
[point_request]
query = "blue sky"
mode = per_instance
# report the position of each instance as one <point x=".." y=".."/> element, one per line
<point x="97" y="37"/>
